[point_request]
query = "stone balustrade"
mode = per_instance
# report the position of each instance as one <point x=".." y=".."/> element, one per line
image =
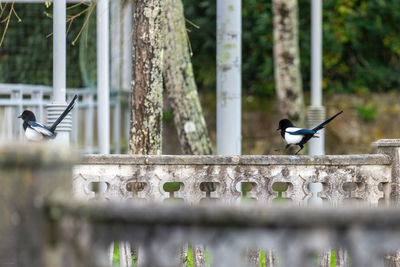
<point x="362" y="177"/>
<point x="369" y="178"/>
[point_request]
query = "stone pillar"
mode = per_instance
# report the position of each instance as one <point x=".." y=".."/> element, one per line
<point x="29" y="174"/>
<point x="391" y="147"/>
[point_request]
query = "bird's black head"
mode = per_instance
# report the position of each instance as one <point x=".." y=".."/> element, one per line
<point x="27" y="115"/>
<point x="285" y="123"/>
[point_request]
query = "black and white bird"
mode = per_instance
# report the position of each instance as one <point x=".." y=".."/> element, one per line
<point x="35" y="131"/>
<point x="299" y="136"/>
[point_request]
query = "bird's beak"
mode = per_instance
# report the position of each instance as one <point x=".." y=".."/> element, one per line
<point x="20" y="117"/>
<point x="278" y="129"/>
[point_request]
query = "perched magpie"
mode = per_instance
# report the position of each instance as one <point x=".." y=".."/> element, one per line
<point x="298" y="136"/>
<point x="35" y="131"/>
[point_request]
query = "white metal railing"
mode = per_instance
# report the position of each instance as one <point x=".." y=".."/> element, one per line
<point x="120" y="39"/>
<point x="14" y="98"/>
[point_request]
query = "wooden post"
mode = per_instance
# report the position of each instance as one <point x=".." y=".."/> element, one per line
<point x="29" y="174"/>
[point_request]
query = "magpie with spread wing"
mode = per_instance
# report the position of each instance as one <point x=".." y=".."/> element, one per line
<point x="35" y="131"/>
<point x="299" y="136"/>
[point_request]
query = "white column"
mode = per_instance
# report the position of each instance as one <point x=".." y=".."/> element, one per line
<point x="103" y="86"/>
<point x="316" y="112"/>
<point x="58" y="104"/>
<point x="316" y="52"/>
<point x="229" y="31"/>
<point x="59" y="51"/>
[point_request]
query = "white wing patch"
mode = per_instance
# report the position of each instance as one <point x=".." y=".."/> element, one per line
<point x="41" y="129"/>
<point x="36" y="131"/>
<point x="292" y="129"/>
<point x="293" y="139"/>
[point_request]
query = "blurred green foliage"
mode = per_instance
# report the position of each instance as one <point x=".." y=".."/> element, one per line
<point x="23" y="58"/>
<point x="361" y="40"/>
<point x="26" y="55"/>
<point x="367" y="112"/>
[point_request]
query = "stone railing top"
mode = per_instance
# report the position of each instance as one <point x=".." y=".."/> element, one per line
<point x="386" y="143"/>
<point x="364" y="159"/>
<point x="36" y="156"/>
<point x="227" y="216"/>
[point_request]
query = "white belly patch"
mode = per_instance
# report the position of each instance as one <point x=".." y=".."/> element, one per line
<point x="293" y="139"/>
<point x="32" y="135"/>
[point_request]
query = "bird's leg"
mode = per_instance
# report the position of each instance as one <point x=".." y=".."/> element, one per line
<point x="301" y="147"/>
<point x="286" y="147"/>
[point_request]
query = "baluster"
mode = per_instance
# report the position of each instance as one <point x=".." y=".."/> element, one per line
<point x="89" y="121"/>
<point x="125" y="257"/>
<point x="253" y="256"/>
<point x="75" y="123"/>
<point x="117" y="123"/>
<point x="16" y="97"/>
<point x="37" y="99"/>
<point x="271" y="258"/>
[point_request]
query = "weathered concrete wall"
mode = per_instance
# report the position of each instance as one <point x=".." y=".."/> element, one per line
<point x="227" y="232"/>
<point x="29" y="174"/>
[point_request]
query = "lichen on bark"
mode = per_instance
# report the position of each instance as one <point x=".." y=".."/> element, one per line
<point x="147" y="85"/>
<point x="287" y="60"/>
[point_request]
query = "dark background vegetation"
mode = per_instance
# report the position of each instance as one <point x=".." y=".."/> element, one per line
<point x="26" y="55"/>
<point x="361" y="40"/>
<point x="361" y="45"/>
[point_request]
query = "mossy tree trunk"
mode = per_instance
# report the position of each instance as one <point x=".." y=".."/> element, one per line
<point x="180" y="85"/>
<point x="147" y="82"/>
<point x="287" y="60"/>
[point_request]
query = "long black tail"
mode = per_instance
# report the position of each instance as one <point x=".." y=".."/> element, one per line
<point x="65" y="113"/>
<point x="322" y="125"/>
